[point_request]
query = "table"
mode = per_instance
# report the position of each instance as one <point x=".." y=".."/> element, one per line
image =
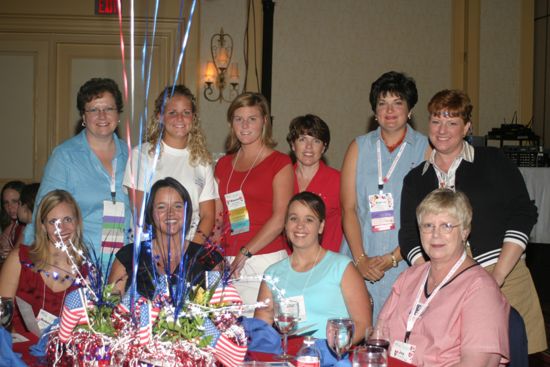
<point x="23" y="348"/>
<point x="537" y="180"/>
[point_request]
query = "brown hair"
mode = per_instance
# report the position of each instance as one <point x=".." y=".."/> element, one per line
<point x="451" y="102"/>
<point x="249" y="99"/>
<point x="308" y="125"/>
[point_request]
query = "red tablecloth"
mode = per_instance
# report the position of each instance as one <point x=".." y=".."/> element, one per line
<point x="23" y="348"/>
<point x="294" y="345"/>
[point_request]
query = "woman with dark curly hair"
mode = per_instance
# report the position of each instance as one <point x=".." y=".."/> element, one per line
<point x="90" y="166"/>
<point x="175" y="130"/>
<point x="372" y="177"/>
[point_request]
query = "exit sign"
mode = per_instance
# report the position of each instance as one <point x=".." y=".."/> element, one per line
<point x="106" y="7"/>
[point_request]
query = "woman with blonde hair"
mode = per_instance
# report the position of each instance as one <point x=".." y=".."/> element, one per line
<point x="255" y="184"/>
<point x="43" y="273"/>
<point x="175" y="130"/>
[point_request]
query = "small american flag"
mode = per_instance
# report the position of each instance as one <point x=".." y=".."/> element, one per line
<point x="225" y="293"/>
<point x="145" y="326"/>
<point x="228" y="353"/>
<point x="74" y="313"/>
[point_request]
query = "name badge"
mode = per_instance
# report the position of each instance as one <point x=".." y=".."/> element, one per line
<point x="382" y="213"/>
<point x="44" y="319"/>
<point x="301" y="307"/>
<point x="112" y="233"/>
<point x="403" y="351"/>
<point x="238" y="214"/>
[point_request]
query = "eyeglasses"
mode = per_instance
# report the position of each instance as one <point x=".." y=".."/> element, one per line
<point x="64" y="220"/>
<point x="445" y="228"/>
<point x="94" y="111"/>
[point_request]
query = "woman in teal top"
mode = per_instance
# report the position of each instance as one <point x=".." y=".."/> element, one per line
<point x="325" y="284"/>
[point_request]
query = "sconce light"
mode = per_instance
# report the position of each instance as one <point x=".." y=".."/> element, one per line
<point x="216" y="73"/>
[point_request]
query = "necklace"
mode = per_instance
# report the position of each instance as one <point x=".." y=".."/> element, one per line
<point x="247" y="173"/>
<point x="311" y="270"/>
<point x="55" y="275"/>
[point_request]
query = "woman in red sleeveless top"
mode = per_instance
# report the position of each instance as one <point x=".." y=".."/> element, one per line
<point x="42" y="274"/>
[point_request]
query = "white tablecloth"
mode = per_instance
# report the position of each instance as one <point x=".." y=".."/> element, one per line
<point x="537" y="181"/>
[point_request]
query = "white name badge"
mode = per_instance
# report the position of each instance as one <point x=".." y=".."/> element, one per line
<point x="44" y="319"/>
<point x="403" y="351"/>
<point x="301" y="307"/>
<point x="381" y="211"/>
<point x="238" y="214"/>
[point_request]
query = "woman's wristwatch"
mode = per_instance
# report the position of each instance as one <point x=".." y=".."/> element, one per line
<point x="393" y="260"/>
<point x="246" y="252"/>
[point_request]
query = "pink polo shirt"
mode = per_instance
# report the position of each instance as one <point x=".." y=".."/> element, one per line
<point x="468" y="314"/>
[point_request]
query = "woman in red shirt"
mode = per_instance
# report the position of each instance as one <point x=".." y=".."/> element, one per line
<point x="255" y="183"/>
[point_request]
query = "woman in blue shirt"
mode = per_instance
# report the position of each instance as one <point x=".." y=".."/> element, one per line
<point x="91" y="167"/>
<point x="325" y="284"/>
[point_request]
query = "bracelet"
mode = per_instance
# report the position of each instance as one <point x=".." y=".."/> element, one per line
<point x="361" y="257"/>
<point x="393" y="260"/>
<point x="246" y="252"/>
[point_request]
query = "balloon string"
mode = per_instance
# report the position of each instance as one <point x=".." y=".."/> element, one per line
<point x="184" y="41"/>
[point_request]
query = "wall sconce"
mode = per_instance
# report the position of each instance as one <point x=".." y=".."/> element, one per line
<point x="215" y="75"/>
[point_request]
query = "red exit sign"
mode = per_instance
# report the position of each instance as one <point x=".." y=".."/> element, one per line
<point x="106" y="7"/>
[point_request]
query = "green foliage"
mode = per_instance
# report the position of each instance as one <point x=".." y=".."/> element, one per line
<point x="100" y="316"/>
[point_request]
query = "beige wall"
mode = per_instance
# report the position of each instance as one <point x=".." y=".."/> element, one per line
<point x="499" y="79"/>
<point x="326" y="55"/>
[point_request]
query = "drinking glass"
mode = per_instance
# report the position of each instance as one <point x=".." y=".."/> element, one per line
<point x="370" y="356"/>
<point x="378" y="336"/>
<point x="287" y="313"/>
<point x="340" y="335"/>
<point x="6" y="312"/>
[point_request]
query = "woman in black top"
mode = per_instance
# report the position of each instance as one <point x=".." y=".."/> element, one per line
<point x="169" y="212"/>
<point x="503" y="214"/>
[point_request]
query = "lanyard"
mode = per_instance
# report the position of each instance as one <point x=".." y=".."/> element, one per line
<point x="247" y="173"/>
<point x="418" y="308"/>
<point x="382" y="180"/>
<point x="113" y="181"/>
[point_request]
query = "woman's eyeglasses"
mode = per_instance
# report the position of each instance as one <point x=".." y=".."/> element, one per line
<point x="94" y="111"/>
<point x="446" y="228"/>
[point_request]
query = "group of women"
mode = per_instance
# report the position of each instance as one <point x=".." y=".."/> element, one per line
<point x="261" y="203"/>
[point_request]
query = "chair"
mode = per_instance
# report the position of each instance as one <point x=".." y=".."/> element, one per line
<point x="519" y="356"/>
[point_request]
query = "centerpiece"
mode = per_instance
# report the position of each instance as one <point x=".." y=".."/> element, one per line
<point x="183" y="325"/>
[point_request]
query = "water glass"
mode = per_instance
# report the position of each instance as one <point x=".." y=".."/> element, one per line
<point x="287" y="313"/>
<point x="370" y="356"/>
<point x="340" y="335"/>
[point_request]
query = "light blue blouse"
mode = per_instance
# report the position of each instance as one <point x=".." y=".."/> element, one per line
<point x="380" y="243"/>
<point x="320" y="286"/>
<point x="75" y="168"/>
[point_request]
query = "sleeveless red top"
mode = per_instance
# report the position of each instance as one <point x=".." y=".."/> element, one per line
<point x="33" y="290"/>
<point x="258" y="194"/>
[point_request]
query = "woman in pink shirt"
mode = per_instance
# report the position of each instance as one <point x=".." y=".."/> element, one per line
<point x="448" y="311"/>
